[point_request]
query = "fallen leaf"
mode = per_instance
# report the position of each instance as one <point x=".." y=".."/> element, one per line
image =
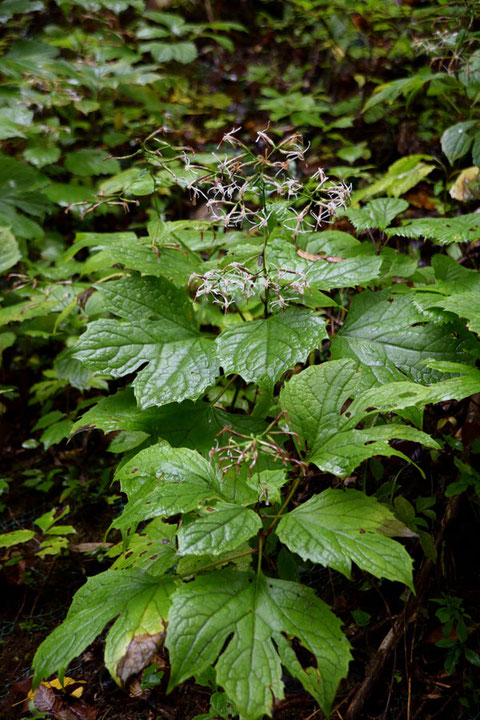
<point x="56" y="704"/>
<point x="420" y="199"/>
<point x="46" y="700"/>
<point x="68" y="682"/>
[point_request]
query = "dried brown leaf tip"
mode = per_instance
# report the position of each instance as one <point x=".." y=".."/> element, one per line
<point x="314" y="258"/>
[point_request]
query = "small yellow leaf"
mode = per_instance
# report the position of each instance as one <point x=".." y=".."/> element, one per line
<point x="57" y="685"/>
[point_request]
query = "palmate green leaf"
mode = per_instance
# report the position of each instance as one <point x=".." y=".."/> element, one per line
<point x="126" y="440"/>
<point x="261" y="350"/>
<point x="182" y="369"/>
<point x="119" y="348"/>
<point x="443" y="231"/>
<point x="28" y="55"/>
<point x="164" y="462"/>
<point x="182" y="52"/>
<point x="97" y="602"/>
<point x="314" y="399"/>
<point x="223" y="529"/>
<point x="180" y="363"/>
<point x="252" y="614"/>
<point x="21" y="192"/>
<point x="148" y="297"/>
<point x="91" y="162"/>
<point x="190" y="565"/>
<point x="135" y="635"/>
<point x="401" y="176"/>
<point x="140" y="254"/>
<point x="151" y="550"/>
<point x="450" y="277"/>
<point x="161" y="481"/>
<point x="457" y="388"/>
<point x="456" y="140"/>
<point x="377" y="213"/>
<point x="15" y="537"/>
<point x="357" y="267"/>
<point x="396" y="265"/>
<point x="388" y="92"/>
<point x="186" y="424"/>
<point x="15" y="122"/>
<point x="238" y="484"/>
<point x="9" y="251"/>
<point x="465" y="305"/>
<point x="56" y="433"/>
<point x="177" y="369"/>
<point x="476" y="150"/>
<point x="469" y="74"/>
<point x="196" y="235"/>
<point x="64" y="194"/>
<point x="9" y="8"/>
<point x="40" y="154"/>
<point x="338" y="527"/>
<point x="387" y="333"/>
<point x="41" y="301"/>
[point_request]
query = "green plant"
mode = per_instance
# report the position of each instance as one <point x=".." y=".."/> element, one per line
<point x="252" y="334"/>
<point x="223" y="492"/>
<point x="455" y="632"/>
<point x="52" y="538"/>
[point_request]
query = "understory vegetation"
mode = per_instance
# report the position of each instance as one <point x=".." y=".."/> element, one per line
<point x="240" y="383"/>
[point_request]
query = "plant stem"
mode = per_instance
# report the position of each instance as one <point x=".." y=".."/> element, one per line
<point x="260" y="552"/>
<point x="285" y="505"/>
<point x="223" y="390"/>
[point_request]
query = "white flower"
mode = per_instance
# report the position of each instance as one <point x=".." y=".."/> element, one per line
<point x="262" y="135"/>
<point x="228" y="138"/>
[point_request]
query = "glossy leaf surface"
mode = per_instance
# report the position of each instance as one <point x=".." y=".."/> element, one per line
<point x="338" y="527"/>
<point x="254" y="611"/>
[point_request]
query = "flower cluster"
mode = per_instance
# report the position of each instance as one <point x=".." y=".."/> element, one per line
<point x="444" y="48"/>
<point x="241" y="188"/>
<point x="226" y="285"/>
<point x="246" y="449"/>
